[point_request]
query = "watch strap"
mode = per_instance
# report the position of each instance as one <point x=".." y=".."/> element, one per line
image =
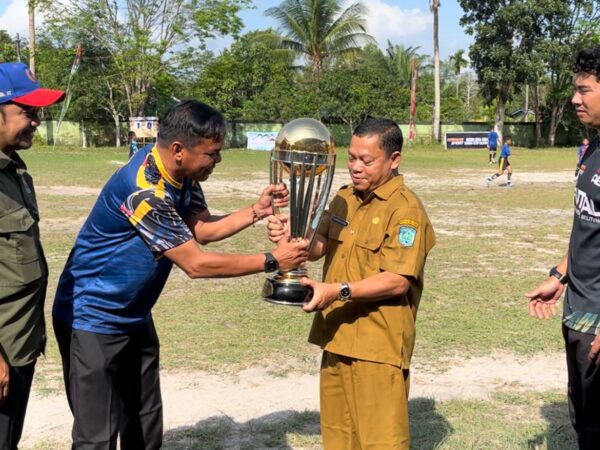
<point x="271" y="264"/>
<point x="561" y="277"/>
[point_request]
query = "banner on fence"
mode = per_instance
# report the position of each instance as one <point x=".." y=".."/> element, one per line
<point x="261" y="140"/>
<point x="465" y="139"/>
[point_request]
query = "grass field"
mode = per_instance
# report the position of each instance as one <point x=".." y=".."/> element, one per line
<point x="494" y="244"/>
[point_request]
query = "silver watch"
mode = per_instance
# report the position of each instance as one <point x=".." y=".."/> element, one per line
<point x="345" y="292"/>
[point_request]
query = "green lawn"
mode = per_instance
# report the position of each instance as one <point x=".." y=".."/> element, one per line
<point x="493" y="246"/>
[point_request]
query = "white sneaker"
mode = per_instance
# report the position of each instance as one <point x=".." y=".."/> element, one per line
<point x="488" y="180"/>
<point x="509" y="184"/>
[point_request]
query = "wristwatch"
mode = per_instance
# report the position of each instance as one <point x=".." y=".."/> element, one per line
<point x="345" y="292"/>
<point x="271" y="264"/>
<point x="555" y="273"/>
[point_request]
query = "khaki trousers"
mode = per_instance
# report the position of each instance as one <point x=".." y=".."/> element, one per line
<point x="364" y="405"/>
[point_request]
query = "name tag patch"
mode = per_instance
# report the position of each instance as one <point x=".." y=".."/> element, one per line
<point x="407" y="233"/>
<point x="339" y="221"/>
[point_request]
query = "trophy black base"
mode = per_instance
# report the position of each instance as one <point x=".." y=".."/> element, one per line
<point x="287" y="292"/>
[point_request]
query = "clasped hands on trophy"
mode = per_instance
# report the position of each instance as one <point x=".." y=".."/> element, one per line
<point x="289" y="254"/>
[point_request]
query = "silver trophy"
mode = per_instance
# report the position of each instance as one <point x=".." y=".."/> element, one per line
<point x="304" y="160"/>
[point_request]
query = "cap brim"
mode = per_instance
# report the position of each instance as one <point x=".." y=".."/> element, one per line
<point x="40" y="98"/>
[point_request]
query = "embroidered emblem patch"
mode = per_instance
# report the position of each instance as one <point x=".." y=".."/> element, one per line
<point x="406" y="235"/>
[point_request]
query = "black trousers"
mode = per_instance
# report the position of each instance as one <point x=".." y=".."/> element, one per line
<point x="584" y="389"/>
<point x="12" y="410"/>
<point x="113" y="387"/>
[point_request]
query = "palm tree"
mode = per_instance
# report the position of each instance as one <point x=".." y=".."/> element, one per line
<point x="399" y="61"/>
<point x="321" y="29"/>
<point x="434" y="6"/>
<point x="458" y="61"/>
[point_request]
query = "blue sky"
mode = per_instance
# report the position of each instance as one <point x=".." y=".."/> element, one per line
<point x="407" y="22"/>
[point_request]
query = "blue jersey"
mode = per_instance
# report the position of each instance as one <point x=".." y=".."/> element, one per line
<point x="493" y="139"/>
<point x="116" y="269"/>
<point x="133" y="148"/>
<point x="505" y="153"/>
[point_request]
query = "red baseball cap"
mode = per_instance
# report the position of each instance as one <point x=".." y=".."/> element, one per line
<point x="19" y="85"/>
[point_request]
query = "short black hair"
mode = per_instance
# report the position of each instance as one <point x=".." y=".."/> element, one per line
<point x="506" y="138"/>
<point x="587" y="61"/>
<point x="390" y="135"/>
<point x="191" y="121"/>
<point x="131" y="134"/>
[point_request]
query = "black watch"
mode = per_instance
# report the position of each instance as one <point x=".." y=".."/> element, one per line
<point x="271" y="264"/>
<point x="345" y="292"/>
<point x="555" y="273"/>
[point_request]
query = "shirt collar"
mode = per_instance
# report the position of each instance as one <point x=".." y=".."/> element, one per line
<point x="388" y="188"/>
<point x="14" y="158"/>
<point x="163" y="171"/>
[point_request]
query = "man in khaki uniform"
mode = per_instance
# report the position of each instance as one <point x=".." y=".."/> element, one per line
<point x="23" y="270"/>
<point x="375" y="238"/>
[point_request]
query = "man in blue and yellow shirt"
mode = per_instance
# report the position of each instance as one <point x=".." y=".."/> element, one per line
<point x="150" y="214"/>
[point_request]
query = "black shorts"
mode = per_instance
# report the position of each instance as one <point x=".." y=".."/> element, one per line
<point x="493" y="149"/>
<point x="503" y="163"/>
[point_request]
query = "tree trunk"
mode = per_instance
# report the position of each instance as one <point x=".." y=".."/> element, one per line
<point x="32" y="35"/>
<point x="457" y="83"/>
<point x="436" y="71"/>
<point x="501" y="109"/>
<point x="526" y="112"/>
<point x="556" y="115"/>
<point x="117" y="130"/>
<point x="413" y="100"/>
<point x="469" y="93"/>
<point x="538" y="115"/>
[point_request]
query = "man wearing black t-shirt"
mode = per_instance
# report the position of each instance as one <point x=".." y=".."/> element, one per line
<point x="579" y="270"/>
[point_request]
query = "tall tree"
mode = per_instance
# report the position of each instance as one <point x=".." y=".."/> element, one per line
<point x="143" y="36"/>
<point x="503" y="31"/>
<point x="434" y="5"/>
<point x="321" y="30"/>
<point x="566" y="25"/>
<point x="399" y="60"/>
<point x="458" y="61"/>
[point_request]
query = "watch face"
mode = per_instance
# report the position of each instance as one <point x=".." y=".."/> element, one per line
<point x="271" y="265"/>
<point x="345" y="292"/>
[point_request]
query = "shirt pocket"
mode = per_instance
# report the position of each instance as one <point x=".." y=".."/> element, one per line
<point x="20" y="257"/>
<point x="367" y="248"/>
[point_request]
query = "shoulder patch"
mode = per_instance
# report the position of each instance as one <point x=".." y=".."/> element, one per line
<point x="407" y="232"/>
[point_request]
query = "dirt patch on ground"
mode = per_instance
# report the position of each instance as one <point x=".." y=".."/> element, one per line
<point x="190" y="397"/>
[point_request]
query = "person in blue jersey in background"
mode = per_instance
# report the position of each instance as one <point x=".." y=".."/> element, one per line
<point x="503" y="163"/>
<point x="580" y="154"/>
<point x="132" y="143"/>
<point x="150" y="214"/>
<point x="492" y="145"/>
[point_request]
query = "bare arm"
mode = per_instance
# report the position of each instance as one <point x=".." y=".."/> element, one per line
<point x="211" y="228"/>
<point x="199" y="264"/>
<point x="373" y="288"/>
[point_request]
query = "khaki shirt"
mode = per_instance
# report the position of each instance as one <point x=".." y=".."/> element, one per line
<point x="23" y="270"/>
<point x="388" y="231"/>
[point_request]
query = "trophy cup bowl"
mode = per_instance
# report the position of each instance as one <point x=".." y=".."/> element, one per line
<point x="304" y="160"/>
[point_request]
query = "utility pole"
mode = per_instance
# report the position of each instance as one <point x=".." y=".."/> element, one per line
<point x="18" y="42"/>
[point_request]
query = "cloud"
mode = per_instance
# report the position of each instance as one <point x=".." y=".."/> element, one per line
<point x="386" y="21"/>
<point x="14" y="18"/>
